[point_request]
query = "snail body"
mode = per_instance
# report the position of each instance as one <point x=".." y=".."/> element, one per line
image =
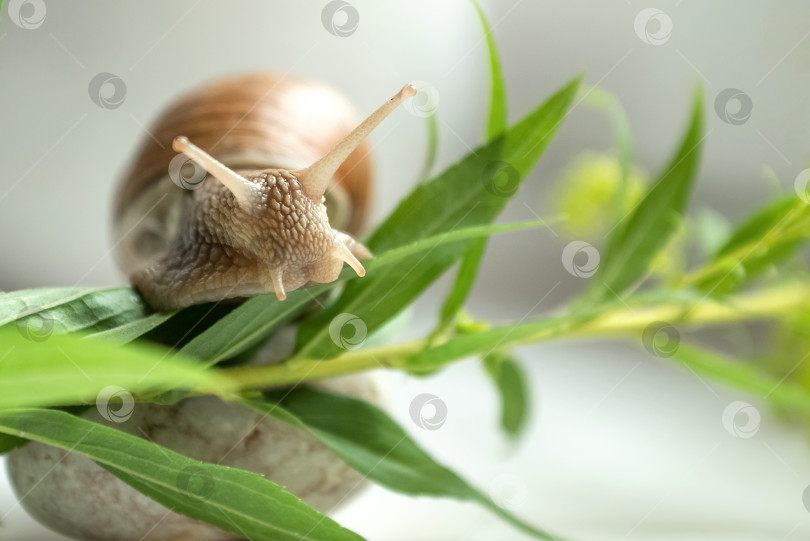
<point x="263" y="225"/>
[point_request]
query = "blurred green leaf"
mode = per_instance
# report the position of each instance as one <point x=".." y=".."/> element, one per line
<point x="64" y="369"/>
<point x="510" y="381"/>
<point x="372" y="443"/>
<point x="742" y="375"/>
<point x="496" y="122"/>
<point x="635" y="241"/>
<point x="768" y="237"/>
<point x="469" y="193"/>
<point x="235" y="500"/>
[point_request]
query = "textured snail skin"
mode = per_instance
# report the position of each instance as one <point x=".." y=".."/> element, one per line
<point x="224" y="250"/>
<point x="73" y="495"/>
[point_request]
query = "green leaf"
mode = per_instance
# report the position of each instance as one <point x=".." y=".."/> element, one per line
<point x="782" y="392"/>
<point x="473" y="232"/>
<point x="7" y="443"/>
<point x="466" y="194"/>
<point x="259" y="317"/>
<point x="70" y="309"/>
<point x="235" y="500"/>
<point x="763" y="222"/>
<point x="373" y="444"/>
<point x="465" y="278"/>
<point x="65" y="369"/>
<point x="496" y="124"/>
<point x="136" y="328"/>
<point x="768" y="237"/>
<point x="512" y="389"/>
<point x="635" y="242"/>
<point x="248" y="325"/>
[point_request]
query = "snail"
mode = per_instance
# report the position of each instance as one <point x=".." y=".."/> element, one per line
<point x="256" y="217"/>
<point x="262" y="226"/>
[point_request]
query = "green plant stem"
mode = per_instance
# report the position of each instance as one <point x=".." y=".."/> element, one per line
<point x="628" y="320"/>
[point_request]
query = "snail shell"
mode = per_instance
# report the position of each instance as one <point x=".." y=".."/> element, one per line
<point x="272" y="221"/>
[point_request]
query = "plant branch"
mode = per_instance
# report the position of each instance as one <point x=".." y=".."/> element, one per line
<point x="627" y="320"/>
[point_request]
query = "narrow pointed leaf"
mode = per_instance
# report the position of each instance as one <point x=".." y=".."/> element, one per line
<point x="783" y="392"/>
<point x="249" y="324"/>
<point x="235" y="500"/>
<point x="131" y="330"/>
<point x="510" y="382"/>
<point x="646" y="230"/>
<point x="496" y="120"/>
<point x="769" y="236"/>
<point x="372" y="443"/>
<point x="465" y="278"/>
<point x="70" y="309"/>
<point x="64" y="369"/>
<point x="472" y="192"/>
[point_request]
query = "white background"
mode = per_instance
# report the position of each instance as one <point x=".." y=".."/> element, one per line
<point x="621" y="445"/>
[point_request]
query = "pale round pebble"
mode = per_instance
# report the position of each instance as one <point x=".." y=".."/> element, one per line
<point x="74" y="496"/>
